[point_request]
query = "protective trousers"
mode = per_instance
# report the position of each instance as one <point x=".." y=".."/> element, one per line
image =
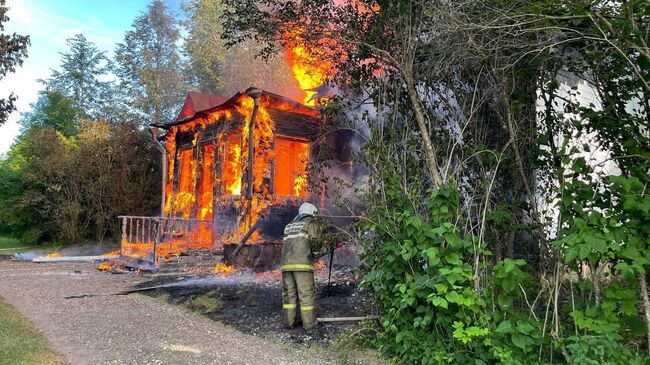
<point x="299" y="285"/>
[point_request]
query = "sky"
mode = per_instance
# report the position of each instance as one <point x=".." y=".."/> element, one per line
<point x="49" y="23"/>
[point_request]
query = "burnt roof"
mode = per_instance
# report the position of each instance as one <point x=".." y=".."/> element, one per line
<point x="197" y="104"/>
<point x="196" y="101"/>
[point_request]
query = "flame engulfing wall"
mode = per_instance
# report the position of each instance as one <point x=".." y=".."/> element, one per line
<point x="209" y="183"/>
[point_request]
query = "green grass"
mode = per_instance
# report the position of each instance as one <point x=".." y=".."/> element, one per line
<point x="21" y="343"/>
<point x="10" y="242"/>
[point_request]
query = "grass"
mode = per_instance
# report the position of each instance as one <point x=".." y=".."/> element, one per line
<point x="206" y="303"/>
<point x="10" y="242"/>
<point x="21" y="343"/>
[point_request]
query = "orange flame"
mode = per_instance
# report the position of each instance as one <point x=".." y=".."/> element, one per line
<point x="54" y="254"/>
<point x="232" y="171"/>
<point x="308" y="65"/>
<point x="319" y="265"/>
<point x="105" y="266"/>
<point x="204" y="176"/>
<point x="224" y="269"/>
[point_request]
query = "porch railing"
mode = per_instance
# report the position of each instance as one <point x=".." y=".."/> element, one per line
<point x="149" y="238"/>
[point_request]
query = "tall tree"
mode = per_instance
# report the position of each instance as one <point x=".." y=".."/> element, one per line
<point x="216" y="67"/>
<point x="53" y="110"/>
<point x="204" y="45"/>
<point x="80" y="76"/>
<point x="13" y="51"/>
<point x="149" y="65"/>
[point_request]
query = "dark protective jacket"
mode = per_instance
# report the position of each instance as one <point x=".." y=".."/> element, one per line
<point x="300" y="238"/>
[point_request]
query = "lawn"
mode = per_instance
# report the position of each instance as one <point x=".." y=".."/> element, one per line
<point x="21" y="343"/>
<point x="10" y="242"/>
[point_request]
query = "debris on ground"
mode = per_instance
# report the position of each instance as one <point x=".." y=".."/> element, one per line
<point x="252" y="302"/>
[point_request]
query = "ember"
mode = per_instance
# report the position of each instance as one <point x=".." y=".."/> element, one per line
<point x="105" y="266"/>
<point x="224" y="269"/>
<point x="319" y="265"/>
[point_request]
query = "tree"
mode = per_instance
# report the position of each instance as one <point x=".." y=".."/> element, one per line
<point x="80" y="76"/>
<point x="13" y="51"/>
<point x="448" y="257"/>
<point x="203" y="44"/>
<point x="215" y="67"/>
<point x="68" y="189"/>
<point x="53" y="110"/>
<point x="149" y="66"/>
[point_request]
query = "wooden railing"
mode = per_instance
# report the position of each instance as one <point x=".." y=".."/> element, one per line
<point x="149" y="238"/>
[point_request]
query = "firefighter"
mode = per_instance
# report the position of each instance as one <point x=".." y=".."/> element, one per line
<point x="301" y="238"/>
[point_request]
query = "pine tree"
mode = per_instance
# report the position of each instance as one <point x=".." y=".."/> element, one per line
<point x="203" y="44"/>
<point x="217" y="68"/>
<point x="53" y="110"/>
<point x="80" y="76"/>
<point x="149" y="65"/>
<point x="13" y="50"/>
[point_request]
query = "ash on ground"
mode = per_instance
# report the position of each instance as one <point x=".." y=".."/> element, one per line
<point x="253" y="304"/>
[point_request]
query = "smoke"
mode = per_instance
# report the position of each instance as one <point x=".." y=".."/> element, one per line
<point x="342" y="177"/>
<point x="241" y="277"/>
<point x="85" y="250"/>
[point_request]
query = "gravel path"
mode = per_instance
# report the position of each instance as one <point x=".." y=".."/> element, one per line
<point x="131" y="329"/>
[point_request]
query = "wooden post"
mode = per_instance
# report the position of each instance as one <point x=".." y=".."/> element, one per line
<point x="244" y="239"/>
<point x="164" y="162"/>
<point x="216" y="187"/>
<point x="198" y="173"/>
<point x="123" y="235"/>
<point x="255" y="95"/>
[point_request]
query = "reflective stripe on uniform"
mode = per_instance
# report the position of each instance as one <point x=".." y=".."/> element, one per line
<point x="296" y="235"/>
<point x="310" y="308"/>
<point x="289" y="306"/>
<point x="297" y="267"/>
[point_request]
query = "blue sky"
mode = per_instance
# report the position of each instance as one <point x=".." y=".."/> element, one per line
<point x="49" y="23"/>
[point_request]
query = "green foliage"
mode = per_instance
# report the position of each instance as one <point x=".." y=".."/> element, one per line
<point x="13" y="51"/>
<point x="149" y="66"/>
<point x="53" y="110"/>
<point x="216" y="68"/>
<point x="58" y="188"/>
<point x="420" y="274"/>
<point x="79" y="77"/>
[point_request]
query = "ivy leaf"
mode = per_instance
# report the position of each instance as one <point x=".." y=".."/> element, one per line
<point x="525" y="327"/>
<point x="453" y="258"/>
<point x="596" y="243"/>
<point x="504" y="327"/>
<point x="504" y="300"/>
<point x="520" y="341"/>
<point x="441" y="288"/>
<point x="452" y="297"/>
<point x="439" y="302"/>
<point x="432" y="254"/>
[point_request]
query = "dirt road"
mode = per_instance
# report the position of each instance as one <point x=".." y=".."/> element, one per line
<point x="132" y="329"/>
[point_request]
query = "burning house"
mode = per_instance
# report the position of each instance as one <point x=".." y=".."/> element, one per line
<point x="234" y="169"/>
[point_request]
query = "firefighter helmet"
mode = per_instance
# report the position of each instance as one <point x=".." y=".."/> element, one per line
<point x="307" y="208"/>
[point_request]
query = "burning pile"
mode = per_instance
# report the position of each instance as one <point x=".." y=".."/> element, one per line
<point x="106" y="266"/>
<point x="223" y="269"/>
